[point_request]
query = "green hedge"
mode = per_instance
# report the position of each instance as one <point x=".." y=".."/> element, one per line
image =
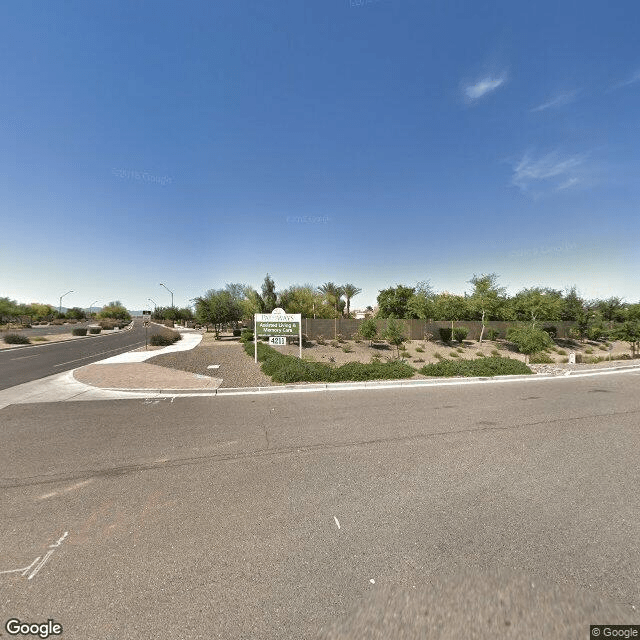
<point x="95" y="330"/>
<point x="164" y="339"/>
<point x="284" y="368"/>
<point x="492" y="366"/>
<point x="14" y="338"/>
<point x="79" y="331"/>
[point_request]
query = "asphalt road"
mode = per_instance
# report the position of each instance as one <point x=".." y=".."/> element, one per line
<point x="481" y="511"/>
<point x="42" y="330"/>
<point x="23" y="364"/>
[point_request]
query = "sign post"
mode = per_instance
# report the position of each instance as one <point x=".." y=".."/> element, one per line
<point x="146" y="316"/>
<point x="277" y="325"/>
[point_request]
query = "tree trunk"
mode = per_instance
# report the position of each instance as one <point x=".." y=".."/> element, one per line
<point x="482" y="330"/>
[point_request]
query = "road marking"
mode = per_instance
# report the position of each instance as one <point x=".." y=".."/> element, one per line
<point x="91" y="356"/>
<point x="40" y="561"/>
<point x="71" y="488"/>
<point x="213" y="366"/>
<point x="25" y="357"/>
<point x="337" y="521"/>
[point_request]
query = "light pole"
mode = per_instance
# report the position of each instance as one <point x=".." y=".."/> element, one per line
<point x="169" y="290"/>
<point x="91" y="307"/>
<point x="155" y="306"/>
<point x="62" y="296"/>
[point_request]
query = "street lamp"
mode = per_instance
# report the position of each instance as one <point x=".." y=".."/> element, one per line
<point x="91" y="307"/>
<point x="169" y="290"/>
<point x="62" y="296"/>
<point x="155" y="306"/>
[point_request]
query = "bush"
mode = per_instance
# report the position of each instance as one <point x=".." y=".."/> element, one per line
<point x="588" y="350"/>
<point x="39" y="339"/>
<point x="108" y="324"/>
<point x="95" y="330"/>
<point x="540" y="358"/>
<point x="320" y="340"/>
<point x="529" y="339"/>
<point x="428" y="337"/>
<point x="454" y="354"/>
<point x="405" y="354"/>
<point x="459" y="349"/>
<point x="460" y="333"/>
<point x="347" y="349"/>
<point x="79" y="331"/>
<point x="237" y="333"/>
<point x="492" y="334"/>
<point x="561" y="352"/>
<point x="495" y="352"/>
<point x="551" y="331"/>
<point x="286" y="369"/>
<point x="14" y="338"/>
<point x="596" y="332"/>
<point x="368" y="329"/>
<point x="246" y="335"/>
<point x="445" y="334"/>
<point x="419" y="349"/>
<point x="480" y="354"/>
<point x="164" y="339"/>
<point x="437" y="354"/>
<point x="340" y="338"/>
<point x="496" y="366"/>
<point x="602" y="347"/>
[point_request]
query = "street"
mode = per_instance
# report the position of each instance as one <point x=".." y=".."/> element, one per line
<point x="273" y="516"/>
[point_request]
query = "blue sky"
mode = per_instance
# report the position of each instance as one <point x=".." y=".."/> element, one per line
<point x="367" y="141"/>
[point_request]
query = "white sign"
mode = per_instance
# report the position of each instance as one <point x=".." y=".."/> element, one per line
<point x="277" y="325"/>
<point x="279" y="341"/>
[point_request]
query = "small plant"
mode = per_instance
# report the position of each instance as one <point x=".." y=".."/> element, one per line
<point x="480" y="354"/>
<point x="588" y="350"/>
<point x="14" y="338"/>
<point x="460" y="333"/>
<point x="428" y="337"/>
<point x="39" y="339"/>
<point x="540" y="358"/>
<point x="602" y="347"/>
<point x="492" y="334"/>
<point x="376" y="359"/>
<point x="495" y="352"/>
<point x="405" y="354"/>
<point x="79" y="331"/>
<point x="454" y="354"/>
<point x="246" y="335"/>
<point x="357" y="340"/>
<point x="94" y="330"/>
<point x="340" y="338"/>
<point x="368" y="330"/>
<point x="437" y="354"/>
<point x="394" y="334"/>
<point x="445" y="334"/>
<point x="564" y="360"/>
<point x="419" y="349"/>
<point x="561" y="352"/>
<point x="332" y="359"/>
<point x="334" y="344"/>
<point x="347" y="349"/>
<point x="419" y="360"/>
<point x="320" y="340"/>
<point x="459" y="349"/>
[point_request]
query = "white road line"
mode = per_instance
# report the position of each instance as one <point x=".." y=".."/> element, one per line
<point x="23" y="570"/>
<point x="337" y="522"/>
<point x="25" y="357"/>
<point x="40" y="564"/>
<point x="91" y="356"/>
<point x="71" y="488"/>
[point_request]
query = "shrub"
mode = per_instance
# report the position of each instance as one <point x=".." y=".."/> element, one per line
<point x="419" y="349"/>
<point x="454" y="354"/>
<point x="540" y="358"/>
<point x="246" y="335"/>
<point x="394" y="333"/>
<point x="588" y="350"/>
<point x="419" y="360"/>
<point x="561" y="352"/>
<point x="340" y="338"/>
<point x="164" y="339"/>
<point x="39" y="339"/>
<point x="460" y="333"/>
<point x="551" y="331"/>
<point x="79" y="331"/>
<point x="347" y="349"/>
<point x="320" y="340"/>
<point x="596" y="332"/>
<point x="405" y="354"/>
<point x="95" y="330"/>
<point x="437" y="354"/>
<point x="368" y="329"/>
<point x="334" y="344"/>
<point x="445" y="334"/>
<point x="285" y="369"/>
<point x="564" y="360"/>
<point x="495" y="352"/>
<point x="602" y="347"/>
<point x="108" y="324"/>
<point x="480" y="354"/>
<point x="492" y="334"/>
<point x="428" y="337"/>
<point x="237" y="333"/>
<point x="496" y="366"/>
<point x="357" y="339"/>
<point x="529" y="339"/>
<point x="459" y="349"/>
<point x="14" y="338"/>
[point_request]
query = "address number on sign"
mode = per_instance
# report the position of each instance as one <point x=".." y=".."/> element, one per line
<point x="278" y="340"/>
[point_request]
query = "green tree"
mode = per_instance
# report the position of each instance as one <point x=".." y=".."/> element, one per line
<point x="394" y="334"/>
<point x="115" y="310"/>
<point x="611" y="310"/>
<point x="300" y="299"/>
<point x="451" y="307"/>
<point x="421" y="303"/>
<point x="537" y="304"/>
<point x="350" y="291"/>
<point x="630" y="332"/>
<point x="75" y="313"/>
<point x="269" y="295"/>
<point x="217" y="307"/>
<point x="368" y="329"/>
<point x="332" y="293"/>
<point x="529" y="339"/>
<point x="394" y="302"/>
<point x="487" y="297"/>
<point x="573" y="305"/>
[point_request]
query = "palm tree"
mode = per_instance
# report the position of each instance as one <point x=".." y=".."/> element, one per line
<point x="332" y="293"/>
<point x="349" y="291"/>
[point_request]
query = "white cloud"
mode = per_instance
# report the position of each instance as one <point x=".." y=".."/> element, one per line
<point x="551" y="169"/>
<point x="483" y="87"/>
<point x="558" y="101"/>
<point x="632" y="80"/>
